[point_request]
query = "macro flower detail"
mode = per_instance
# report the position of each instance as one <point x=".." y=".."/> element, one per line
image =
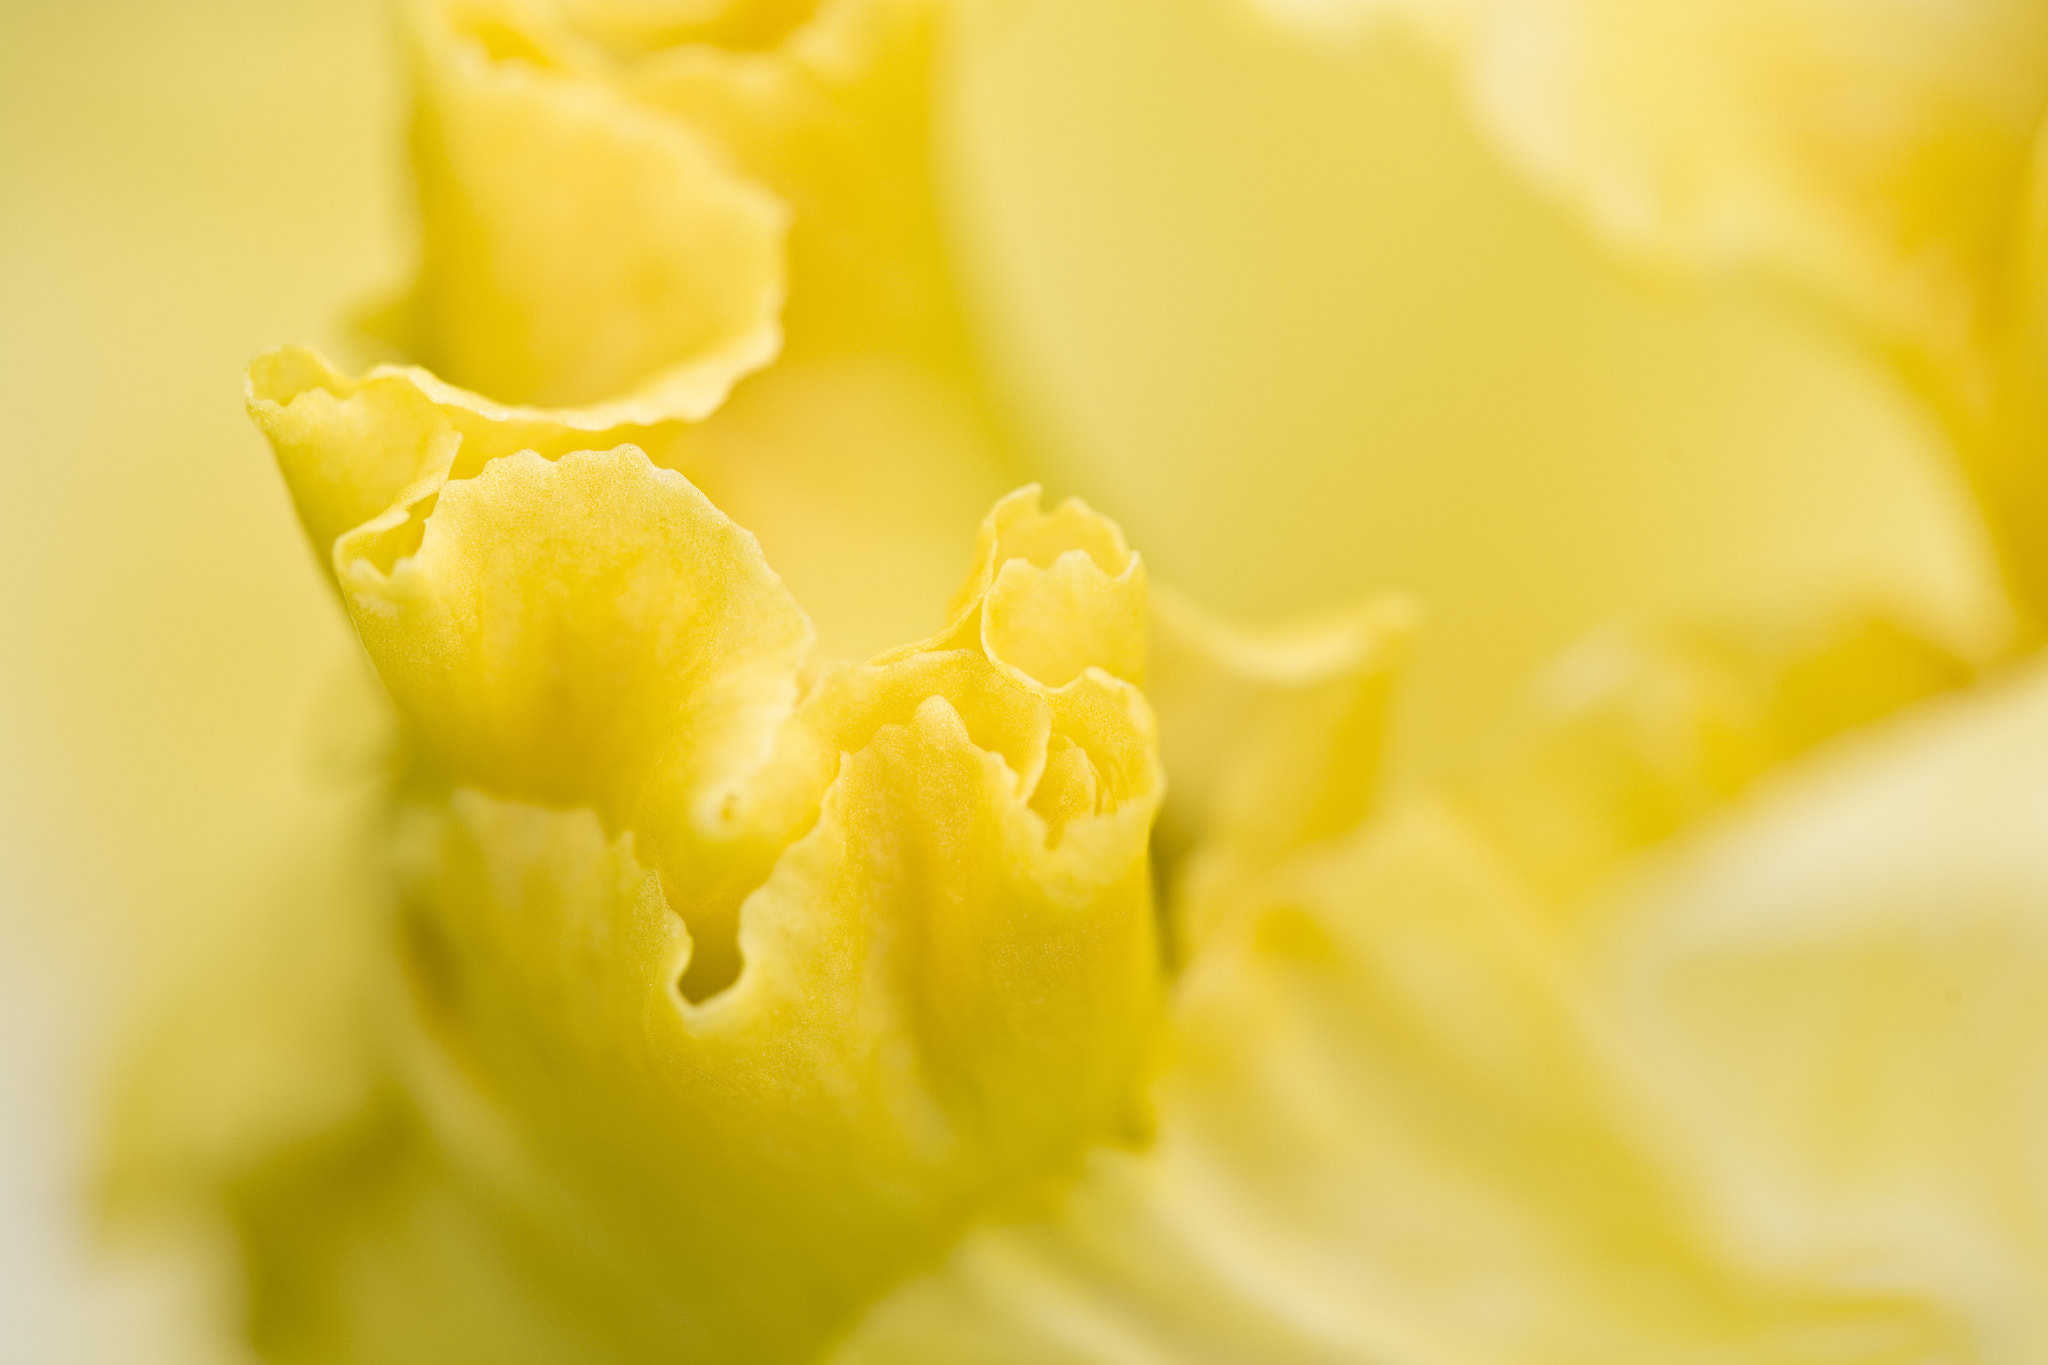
<point x="738" y="966"/>
<point x="577" y="248"/>
<point x="751" y="952"/>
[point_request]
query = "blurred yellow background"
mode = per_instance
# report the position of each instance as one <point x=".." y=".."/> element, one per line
<point x="1278" y="309"/>
<point x="180" y="186"/>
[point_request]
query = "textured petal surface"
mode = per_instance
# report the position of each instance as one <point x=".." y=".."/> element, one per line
<point x="723" y="987"/>
<point x="864" y="453"/>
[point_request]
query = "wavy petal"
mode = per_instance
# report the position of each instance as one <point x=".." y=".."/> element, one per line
<point x="726" y="984"/>
<point x="577" y="248"/>
<point x="861" y="453"/>
<point x="1273" y="739"/>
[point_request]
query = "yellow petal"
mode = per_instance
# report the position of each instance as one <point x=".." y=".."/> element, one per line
<point x="1273" y="741"/>
<point x="1388" y="1131"/>
<point x="836" y="118"/>
<point x="632" y="27"/>
<point x="352" y="450"/>
<point x="552" y="626"/>
<point x="1877" y="156"/>
<point x="1053" y="594"/>
<point x="1307" y="336"/>
<point x="565" y="625"/>
<point x="2001" y="417"/>
<point x="1839" y="998"/>
<point x="1874" y="151"/>
<point x="864" y="455"/>
<point x="577" y="248"/>
<point x="1399" y="1116"/>
<point x="1275" y="736"/>
<point x="750" y="985"/>
<point x="1645" y="731"/>
<point x="937" y="1007"/>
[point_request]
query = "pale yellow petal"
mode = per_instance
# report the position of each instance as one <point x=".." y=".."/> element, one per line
<point x="1302" y="329"/>
<point x="1644" y="731"/>
<point x="1054" y="593"/>
<point x="575" y="247"/>
<point x="1873" y="150"/>
<point x="1873" y="153"/>
<point x="1275" y="736"/>
<point x="865" y="454"/>
<point x="1273" y="740"/>
<point x="1839" y="998"/>
<point x="1390" y="1131"/>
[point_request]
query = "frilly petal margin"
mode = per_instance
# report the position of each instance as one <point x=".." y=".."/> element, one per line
<point x="577" y="248"/>
<point x="617" y="201"/>
<point x="826" y="110"/>
<point x="732" y="985"/>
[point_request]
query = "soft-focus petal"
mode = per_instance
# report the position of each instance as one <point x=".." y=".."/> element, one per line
<point x="1874" y="149"/>
<point x="1642" y="732"/>
<point x="1389" y="1130"/>
<point x="576" y="248"/>
<point x="1274" y="739"/>
<point x="1875" y="154"/>
<point x="1398" y="1120"/>
<point x="1306" y="334"/>
<point x="1839" y="998"/>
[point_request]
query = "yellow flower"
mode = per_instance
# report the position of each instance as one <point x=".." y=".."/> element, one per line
<point x="737" y="982"/>
<point x="760" y="980"/>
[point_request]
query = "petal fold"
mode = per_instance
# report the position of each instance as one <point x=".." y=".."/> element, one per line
<point x="576" y="248"/>
<point x="752" y="977"/>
